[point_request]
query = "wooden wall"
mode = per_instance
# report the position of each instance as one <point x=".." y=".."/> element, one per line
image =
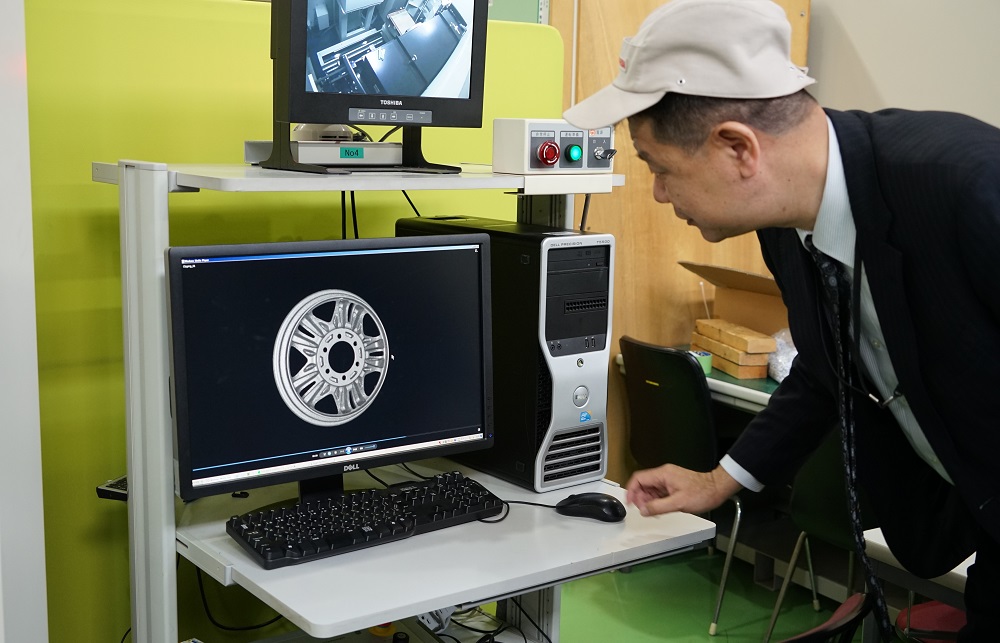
<point x="654" y="298"/>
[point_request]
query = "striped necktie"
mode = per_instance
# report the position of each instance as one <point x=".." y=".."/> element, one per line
<point x="837" y="292"/>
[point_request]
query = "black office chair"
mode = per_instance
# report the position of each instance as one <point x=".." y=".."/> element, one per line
<point x="670" y="420"/>
<point x="842" y="624"/>
<point x="818" y="507"/>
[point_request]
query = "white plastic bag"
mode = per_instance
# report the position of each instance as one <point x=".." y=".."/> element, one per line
<point x="780" y="361"/>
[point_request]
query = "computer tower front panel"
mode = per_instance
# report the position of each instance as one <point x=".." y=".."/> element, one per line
<point x="573" y="330"/>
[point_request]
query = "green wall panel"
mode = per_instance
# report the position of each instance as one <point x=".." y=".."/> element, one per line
<point x="177" y="81"/>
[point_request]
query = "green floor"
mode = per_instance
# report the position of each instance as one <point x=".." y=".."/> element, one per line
<point x="673" y="599"/>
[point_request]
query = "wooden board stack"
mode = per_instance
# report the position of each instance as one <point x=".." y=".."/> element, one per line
<point x="736" y="350"/>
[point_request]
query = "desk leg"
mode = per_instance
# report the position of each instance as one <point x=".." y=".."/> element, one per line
<point x="555" y="210"/>
<point x="539" y="608"/>
<point x="143" y="189"/>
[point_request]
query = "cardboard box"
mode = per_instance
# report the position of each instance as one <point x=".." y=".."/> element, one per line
<point x="744" y="298"/>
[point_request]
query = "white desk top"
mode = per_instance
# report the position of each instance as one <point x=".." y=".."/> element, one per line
<point x="741" y="397"/>
<point x="464" y="565"/>
<point x="878" y="550"/>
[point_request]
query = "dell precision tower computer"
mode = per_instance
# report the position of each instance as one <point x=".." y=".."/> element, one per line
<point x="552" y="296"/>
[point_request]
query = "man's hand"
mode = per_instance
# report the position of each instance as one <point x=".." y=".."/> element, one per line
<point x="672" y="488"/>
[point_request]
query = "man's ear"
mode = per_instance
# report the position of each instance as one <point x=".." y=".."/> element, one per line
<point x="739" y="143"/>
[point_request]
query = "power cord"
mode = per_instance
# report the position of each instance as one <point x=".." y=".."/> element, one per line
<point x="343" y="215"/>
<point x="389" y="133"/>
<point x="530" y="620"/>
<point x="489" y="636"/>
<point x="477" y="630"/>
<point x="376" y="478"/>
<point x="410" y="201"/>
<point x="586" y="210"/>
<point x="422" y="477"/>
<point x="501" y="626"/>
<point x="366" y="136"/>
<point x="228" y="628"/>
<point x="354" y="215"/>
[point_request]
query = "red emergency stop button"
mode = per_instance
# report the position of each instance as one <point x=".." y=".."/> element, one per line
<point x="548" y="153"/>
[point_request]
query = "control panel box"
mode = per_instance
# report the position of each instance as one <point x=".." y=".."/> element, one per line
<point x="550" y="146"/>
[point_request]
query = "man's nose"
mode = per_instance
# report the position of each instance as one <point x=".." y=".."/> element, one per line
<point x="660" y="193"/>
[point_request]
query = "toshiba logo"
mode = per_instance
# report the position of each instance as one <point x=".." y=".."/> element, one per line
<point x="398" y="103"/>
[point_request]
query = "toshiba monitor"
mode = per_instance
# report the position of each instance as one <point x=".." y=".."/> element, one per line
<point x="301" y="361"/>
<point x="411" y="63"/>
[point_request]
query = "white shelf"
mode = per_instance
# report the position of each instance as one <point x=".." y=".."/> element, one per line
<point x="470" y="564"/>
<point x="251" y="178"/>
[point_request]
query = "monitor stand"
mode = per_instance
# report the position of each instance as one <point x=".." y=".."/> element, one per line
<point x="413" y="155"/>
<point x="316" y="489"/>
<point x="281" y="154"/>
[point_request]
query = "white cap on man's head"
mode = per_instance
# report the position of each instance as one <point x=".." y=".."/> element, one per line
<point x="715" y="48"/>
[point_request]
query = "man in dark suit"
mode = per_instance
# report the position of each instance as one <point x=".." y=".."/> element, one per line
<point x="907" y="205"/>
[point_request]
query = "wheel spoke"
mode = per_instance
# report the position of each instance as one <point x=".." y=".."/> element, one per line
<point x="339" y="395"/>
<point x="306" y="376"/>
<point x="357" y="391"/>
<point x="313" y="395"/>
<point x="306" y="344"/>
<point x="314" y="325"/>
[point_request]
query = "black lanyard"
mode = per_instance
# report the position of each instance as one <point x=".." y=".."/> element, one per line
<point x="856" y="328"/>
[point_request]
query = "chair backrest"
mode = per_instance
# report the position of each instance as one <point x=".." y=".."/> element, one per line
<point x="818" y="503"/>
<point x="842" y="624"/>
<point x="670" y="411"/>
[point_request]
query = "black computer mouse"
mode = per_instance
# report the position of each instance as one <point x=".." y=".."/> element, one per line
<point x="599" y="506"/>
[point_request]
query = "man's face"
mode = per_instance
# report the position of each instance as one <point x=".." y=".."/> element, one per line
<point x="705" y="187"/>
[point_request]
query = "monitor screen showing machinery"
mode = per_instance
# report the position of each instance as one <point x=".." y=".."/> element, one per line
<point x="385" y="62"/>
<point x="300" y="361"/>
<point x="390" y="47"/>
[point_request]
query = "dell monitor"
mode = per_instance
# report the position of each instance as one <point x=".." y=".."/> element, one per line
<point x="411" y="63"/>
<point x="297" y="362"/>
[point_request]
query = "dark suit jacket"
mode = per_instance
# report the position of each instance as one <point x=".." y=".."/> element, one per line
<point x="925" y="192"/>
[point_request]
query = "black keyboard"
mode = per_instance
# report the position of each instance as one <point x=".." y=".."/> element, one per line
<point x="116" y="489"/>
<point x="352" y="520"/>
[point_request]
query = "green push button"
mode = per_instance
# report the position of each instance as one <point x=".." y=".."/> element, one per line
<point x="574" y="153"/>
